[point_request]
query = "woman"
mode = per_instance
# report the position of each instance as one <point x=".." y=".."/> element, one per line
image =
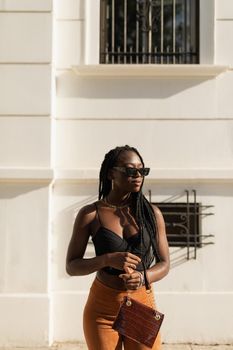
<point x="127" y="232"/>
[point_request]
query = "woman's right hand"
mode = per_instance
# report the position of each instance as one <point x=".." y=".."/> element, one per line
<point x="122" y="260"/>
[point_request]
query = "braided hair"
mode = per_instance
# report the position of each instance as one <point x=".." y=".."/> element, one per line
<point x="144" y="214"/>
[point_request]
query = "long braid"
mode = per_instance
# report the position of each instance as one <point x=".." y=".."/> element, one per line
<point x="143" y="211"/>
<point x="147" y="217"/>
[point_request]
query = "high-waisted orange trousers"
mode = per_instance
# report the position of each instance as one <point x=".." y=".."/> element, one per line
<point x="101" y="310"/>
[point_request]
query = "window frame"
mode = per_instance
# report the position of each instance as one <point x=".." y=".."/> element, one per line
<point x="92" y="32"/>
<point x="144" y="45"/>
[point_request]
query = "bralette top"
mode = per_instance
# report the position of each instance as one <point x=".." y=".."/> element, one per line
<point x="106" y="241"/>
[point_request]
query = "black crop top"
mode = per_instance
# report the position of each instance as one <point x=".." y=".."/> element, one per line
<point x="106" y="241"/>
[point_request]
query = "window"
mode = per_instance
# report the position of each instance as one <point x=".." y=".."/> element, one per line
<point x="183" y="222"/>
<point x="149" y="31"/>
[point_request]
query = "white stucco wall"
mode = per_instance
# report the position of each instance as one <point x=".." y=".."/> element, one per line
<point x="184" y="129"/>
<point x="25" y="171"/>
<point x="51" y="150"/>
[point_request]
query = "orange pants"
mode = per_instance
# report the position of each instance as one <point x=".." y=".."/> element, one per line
<point x="100" y="311"/>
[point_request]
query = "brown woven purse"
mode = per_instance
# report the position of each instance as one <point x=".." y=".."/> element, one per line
<point x="137" y="321"/>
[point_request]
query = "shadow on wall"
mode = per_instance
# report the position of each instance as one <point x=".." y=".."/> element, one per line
<point x="70" y="85"/>
<point x="64" y="220"/>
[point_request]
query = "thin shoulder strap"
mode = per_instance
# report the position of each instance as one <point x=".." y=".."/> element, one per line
<point x="97" y="214"/>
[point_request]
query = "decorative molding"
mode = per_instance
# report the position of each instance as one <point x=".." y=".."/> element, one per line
<point x="156" y="175"/>
<point x="26" y="174"/>
<point x="25" y="6"/>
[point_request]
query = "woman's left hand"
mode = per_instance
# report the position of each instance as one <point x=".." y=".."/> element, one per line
<point x="132" y="279"/>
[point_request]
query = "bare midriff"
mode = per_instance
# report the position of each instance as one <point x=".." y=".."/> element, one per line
<point x="111" y="281"/>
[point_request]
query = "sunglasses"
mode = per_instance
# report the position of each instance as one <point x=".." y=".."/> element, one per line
<point x="132" y="171"/>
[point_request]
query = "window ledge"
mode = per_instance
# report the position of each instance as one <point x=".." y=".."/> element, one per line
<point x="150" y="70"/>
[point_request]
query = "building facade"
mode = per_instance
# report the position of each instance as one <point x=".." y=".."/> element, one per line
<point x="60" y="112"/>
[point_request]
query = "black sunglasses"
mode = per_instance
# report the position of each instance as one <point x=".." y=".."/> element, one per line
<point x="132" y="171"/>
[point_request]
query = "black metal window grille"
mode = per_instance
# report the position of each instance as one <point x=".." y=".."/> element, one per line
<point x="183" y="223"/>
<point x="182" y="227"/>
<point x="149" y="31"/>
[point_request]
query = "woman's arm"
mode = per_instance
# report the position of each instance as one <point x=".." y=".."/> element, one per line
<point x="76" y="265"/>
<point x="161" y="269"/>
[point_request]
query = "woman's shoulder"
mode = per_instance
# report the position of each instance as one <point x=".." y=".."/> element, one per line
<point x="156" y="210"/>
<point x="89" y="209"/>
<point x="86" y="215"/>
